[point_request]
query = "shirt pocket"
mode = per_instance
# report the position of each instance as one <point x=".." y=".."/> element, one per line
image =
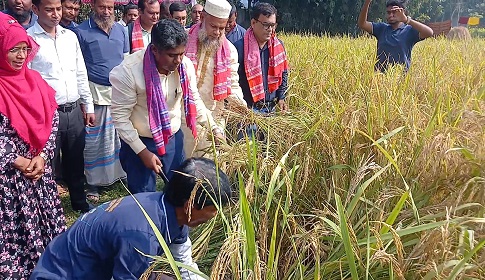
<point x="94" y="52"/>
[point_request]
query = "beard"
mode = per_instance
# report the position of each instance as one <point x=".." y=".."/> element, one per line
<point x="209" y="44"/>
<point x="104" y="23"/>
<point x="21" y="17"/>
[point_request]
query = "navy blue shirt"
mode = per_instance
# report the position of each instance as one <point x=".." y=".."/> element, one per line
<point x="278" y="94"/>
<point x="102" y="52"/>
<point x="72" y="26"/>
<point x="33" y="18"/>
<point x="236" y="34"/>
<point x="101" y="243"/>
<point x="394" y="45"/>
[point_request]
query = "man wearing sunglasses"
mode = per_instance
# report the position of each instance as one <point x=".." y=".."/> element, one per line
<point x="263" y="65"/>
<point x="397" y="37"/>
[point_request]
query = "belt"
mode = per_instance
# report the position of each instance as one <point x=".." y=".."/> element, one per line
<point x="67" y="107"/>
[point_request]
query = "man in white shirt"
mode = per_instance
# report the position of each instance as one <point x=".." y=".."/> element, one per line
<point x="150" y="88"/>
<point x="216" y="64"/>
<point x="139" y="32"/>
<point x="130" y="14"/>
<point x="60" y="62"/>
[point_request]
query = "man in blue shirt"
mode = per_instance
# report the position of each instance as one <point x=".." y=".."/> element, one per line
<point x="21" y="11"/>
<point x="104" y="44"/>
<point x="234" y="31"/>
<point x="103" y="243"/>
<point x="397" y="37"/>
<point x="70" y="12"/>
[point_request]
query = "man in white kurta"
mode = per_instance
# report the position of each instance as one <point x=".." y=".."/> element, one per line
<point x="206" y="40"/>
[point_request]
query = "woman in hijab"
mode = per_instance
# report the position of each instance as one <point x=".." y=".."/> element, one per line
<point x="30" y="209"/>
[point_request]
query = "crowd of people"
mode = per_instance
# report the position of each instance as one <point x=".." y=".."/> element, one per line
<point x="86" y="105"/>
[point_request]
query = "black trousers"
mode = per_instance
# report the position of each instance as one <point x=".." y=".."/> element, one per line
<point x="68" y="160"/>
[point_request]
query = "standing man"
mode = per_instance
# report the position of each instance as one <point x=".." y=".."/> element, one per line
<point x="21" y="10"/>
<point x="60" y="62"/>
<point x="70" y="11"/>
<point x="104" y="243"/>
<point x="215" y="61"/>
<point x="130" y="14"/>
<point x="165" y="9"/>
<point x="149" y="89"/>
<point x="178" y="12"/>
<point x="104" y="44"/>
<point x="139" y="32"/>
<point x="263" y="65"/>
<point x="397" y="37"/>
<point x="195" y="14"/>
<point x="234" y="31"/>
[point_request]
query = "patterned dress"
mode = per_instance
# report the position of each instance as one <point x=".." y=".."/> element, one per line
<point x="31" y="214"/>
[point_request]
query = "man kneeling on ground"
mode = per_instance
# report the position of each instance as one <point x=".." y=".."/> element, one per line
<point x="103" y="243"/>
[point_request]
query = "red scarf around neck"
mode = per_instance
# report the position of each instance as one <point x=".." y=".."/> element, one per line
<point x="278" y="63"/>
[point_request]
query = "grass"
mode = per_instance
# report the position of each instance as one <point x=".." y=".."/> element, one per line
<point x="117" y="190"/>
<point x="370" y="176"/>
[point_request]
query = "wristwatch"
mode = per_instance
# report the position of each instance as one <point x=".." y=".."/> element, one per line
<point x="43" y="156"/>
<point x="409" y="19"/>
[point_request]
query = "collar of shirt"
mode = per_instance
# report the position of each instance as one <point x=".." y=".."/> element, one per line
<point x="174" y="230"/>
<point x="39" y="30"/>
<point x="122" y="22"/>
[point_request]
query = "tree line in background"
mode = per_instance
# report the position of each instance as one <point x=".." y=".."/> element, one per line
<point x="340" y="16"/>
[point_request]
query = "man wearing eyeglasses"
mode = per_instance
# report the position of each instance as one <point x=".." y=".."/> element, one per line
<point x="215" y="61"/>
<point x="263" y="65"/>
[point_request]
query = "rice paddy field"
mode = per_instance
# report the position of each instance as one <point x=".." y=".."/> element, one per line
<point x="369" y="176"/>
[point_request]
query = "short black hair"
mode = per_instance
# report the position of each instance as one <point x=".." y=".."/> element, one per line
<point x="177" y="7"/>
<point x="212" y="184"/>
<point x="168" y="34"/>
<point x="143" y="3"/>
<point x="73" y="1"/>
<point x="233" y="10"/>
<point x="262" y="8"/>
<point x="128" y="7"/>
<point x="399" y="3"/>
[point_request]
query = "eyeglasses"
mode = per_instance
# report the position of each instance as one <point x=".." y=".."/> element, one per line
<point x="267" y="25"/>
<point x="18" y="50"/>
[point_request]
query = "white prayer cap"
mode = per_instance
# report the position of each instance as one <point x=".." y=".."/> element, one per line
<point x="218" y="8"/>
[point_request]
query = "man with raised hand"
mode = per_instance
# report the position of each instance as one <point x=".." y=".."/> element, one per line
<point x="216" y="65"/>
<point x="153" y="91"/>
<point x="106" y="242"/>
<point x="60" y="62"/>
<point x="397" y="37"/>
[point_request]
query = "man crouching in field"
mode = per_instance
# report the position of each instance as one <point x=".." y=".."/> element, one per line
<point x="103" y="243"/>
<point x="397" y="37"/>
